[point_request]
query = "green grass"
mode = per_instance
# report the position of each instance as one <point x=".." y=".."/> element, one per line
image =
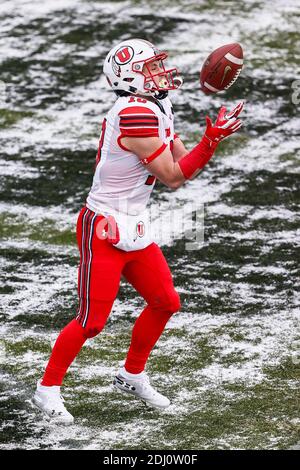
<point x="18" y="348"/>
<point x="9" y="118"/>
<point x="227" y="414"/>
<point x="18" y="227"/>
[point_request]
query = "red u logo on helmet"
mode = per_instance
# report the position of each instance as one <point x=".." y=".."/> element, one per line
<point x="124" y="55"/>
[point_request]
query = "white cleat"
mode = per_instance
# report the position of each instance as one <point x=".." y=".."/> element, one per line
<point x="50" y="401"/>
<point x="140" y="387"/>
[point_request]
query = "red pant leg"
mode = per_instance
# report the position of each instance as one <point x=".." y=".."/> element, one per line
<point x="99" y="273"/>
<point x="149" y="273"/>
<point x="98" y="282"/>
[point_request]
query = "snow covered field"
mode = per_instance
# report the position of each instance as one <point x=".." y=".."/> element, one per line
<point x="229" y="361"/>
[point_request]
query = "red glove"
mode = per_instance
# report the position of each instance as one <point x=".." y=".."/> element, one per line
<point x="225" y="125"/>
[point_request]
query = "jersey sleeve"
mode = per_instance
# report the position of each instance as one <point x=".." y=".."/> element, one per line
<point x="138" y="121"/>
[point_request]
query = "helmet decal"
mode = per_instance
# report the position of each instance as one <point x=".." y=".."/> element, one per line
<point x="116" y="68"/>
<point x="124" y="55"/>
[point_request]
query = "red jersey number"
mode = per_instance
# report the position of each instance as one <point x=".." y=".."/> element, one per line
<point x="150" y="180"/>
<point x="132" y="99"/>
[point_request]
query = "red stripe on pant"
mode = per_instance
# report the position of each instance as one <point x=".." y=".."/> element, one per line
<point x="81" y="267"/>
<point x="83" y="255"/>
<point x="86" y="259"/>
<point x="89" y="273"/>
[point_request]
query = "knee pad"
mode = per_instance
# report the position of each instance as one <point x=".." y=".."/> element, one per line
<point x="95" y="318"/>
<point x="91" y="331"/>
<point x="175" y="304"/>
<point x="168" y="301"/>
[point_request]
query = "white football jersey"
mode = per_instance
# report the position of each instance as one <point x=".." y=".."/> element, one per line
<point x="121" y="181"/>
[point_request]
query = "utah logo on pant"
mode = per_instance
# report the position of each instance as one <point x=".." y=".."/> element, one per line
<point x="140" y="229"/>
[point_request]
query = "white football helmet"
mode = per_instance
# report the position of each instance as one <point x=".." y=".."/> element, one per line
<point x="137" y="66"/>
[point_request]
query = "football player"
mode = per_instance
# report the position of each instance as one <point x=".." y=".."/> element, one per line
<point x="137" y="145"/>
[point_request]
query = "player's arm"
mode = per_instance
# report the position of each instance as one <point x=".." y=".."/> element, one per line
<point x="158" y="159"/>
<point x="160" y="162"/>
<point x="179" y="149"/>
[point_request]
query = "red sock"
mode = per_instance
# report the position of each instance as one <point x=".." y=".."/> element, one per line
<point x="66" y="348"/>
<point x="146" y="332"/>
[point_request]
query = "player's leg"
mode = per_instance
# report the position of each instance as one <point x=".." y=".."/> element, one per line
<point x="98" y="282"/>
<point x="149" y="273"/>
<point x="99" y="277"/>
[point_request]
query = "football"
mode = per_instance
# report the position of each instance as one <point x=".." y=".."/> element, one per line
<point x="221" y="68"/>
